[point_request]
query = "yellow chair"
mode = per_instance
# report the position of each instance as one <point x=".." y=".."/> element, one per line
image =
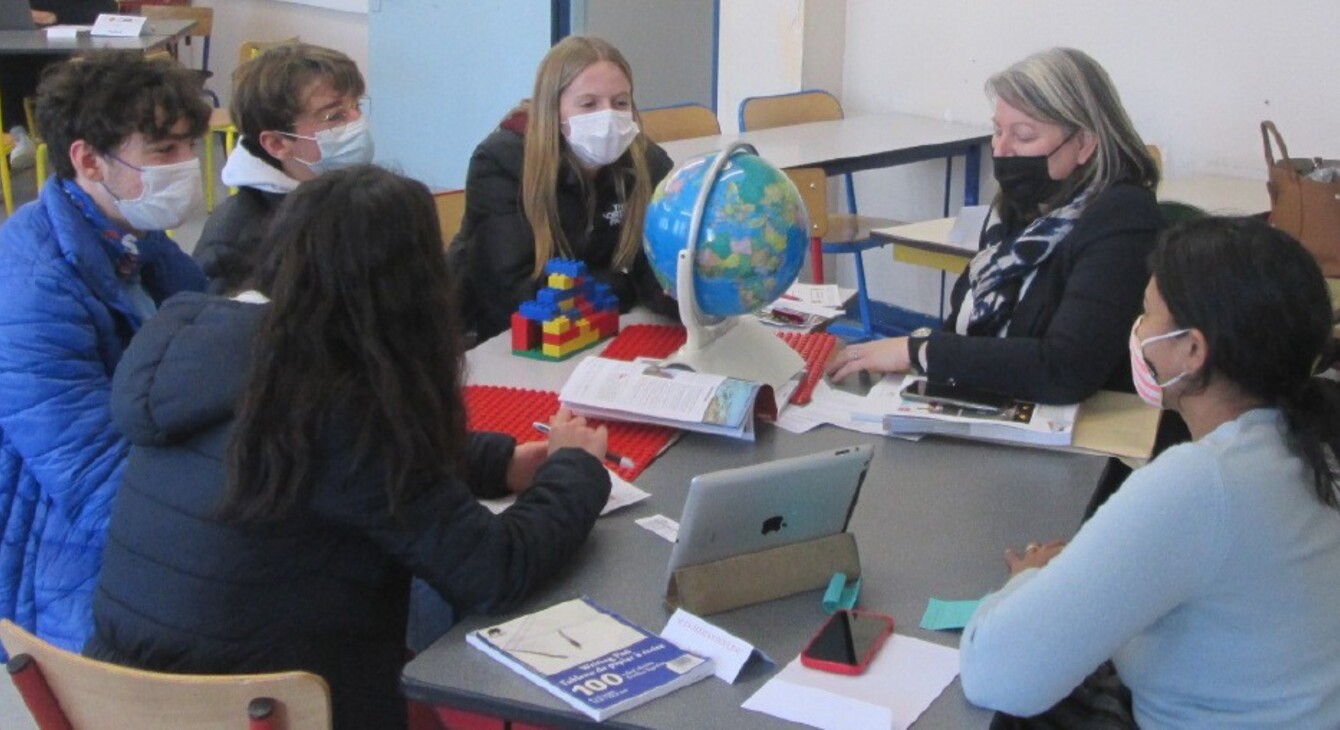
<point x="450" y="214"/>
<point x="801" y="107"/>
<point x="64" y="689"/>
<point x="681" y="121"/>
<point x="781" y="110"/>
<point x="838" y="234"/>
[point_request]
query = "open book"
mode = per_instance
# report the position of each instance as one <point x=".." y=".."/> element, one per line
<point x="645" y="392"/>
<point x="1007" y="420"/>
<point x="590" y="657"/>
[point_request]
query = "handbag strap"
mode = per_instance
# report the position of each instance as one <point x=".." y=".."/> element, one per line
<point x="1268" y="130"/>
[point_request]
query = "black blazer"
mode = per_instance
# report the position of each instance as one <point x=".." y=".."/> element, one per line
<point x="1068" y="334"/>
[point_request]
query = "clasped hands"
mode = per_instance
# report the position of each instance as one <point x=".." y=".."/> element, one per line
<point x="566" y="430"/>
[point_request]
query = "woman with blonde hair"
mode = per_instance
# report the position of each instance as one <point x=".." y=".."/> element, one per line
<point x="1042" y="311"/>
<point x="566" y="174"/>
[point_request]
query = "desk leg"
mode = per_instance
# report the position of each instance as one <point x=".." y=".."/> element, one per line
<point x="949" y="179"/>
<point x="972" y="169"/>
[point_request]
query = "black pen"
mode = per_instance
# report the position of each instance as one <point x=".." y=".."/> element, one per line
<point x="622" y="461"/>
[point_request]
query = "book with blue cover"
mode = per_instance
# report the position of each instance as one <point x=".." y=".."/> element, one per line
<point x="590" y="657"/>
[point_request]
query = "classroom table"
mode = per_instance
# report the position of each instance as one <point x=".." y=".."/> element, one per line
<point x="858" y="143"/>
<point x="36" y="43"/>
<point x="933" y="520"/>
<point x="926" y="243"/>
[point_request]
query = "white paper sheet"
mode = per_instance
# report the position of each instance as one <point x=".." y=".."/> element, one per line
<point x="660" y="525"/>
<point x="903" y="680"/>
<point x="828" y="405"/>
<point x="622" y="494"/>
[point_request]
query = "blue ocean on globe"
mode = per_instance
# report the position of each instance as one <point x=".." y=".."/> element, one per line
<point x="753" y="237"/>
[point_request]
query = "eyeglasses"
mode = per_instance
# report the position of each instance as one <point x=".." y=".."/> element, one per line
<point x="344" y="113"/>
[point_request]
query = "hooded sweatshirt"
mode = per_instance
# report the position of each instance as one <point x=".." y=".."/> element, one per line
<point x="229" y="246"/>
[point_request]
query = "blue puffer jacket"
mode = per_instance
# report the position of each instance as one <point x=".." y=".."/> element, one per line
<point x="64" y="321"/>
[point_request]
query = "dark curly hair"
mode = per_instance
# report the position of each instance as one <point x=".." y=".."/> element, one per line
<point x="106" y="96"/>
<point x="360" y="332"/>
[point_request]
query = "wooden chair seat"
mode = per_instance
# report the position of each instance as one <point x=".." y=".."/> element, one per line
<point x="682" y="121"/>
<point x="65" y="690"/>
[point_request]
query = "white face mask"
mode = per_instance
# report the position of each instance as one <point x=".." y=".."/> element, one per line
<point x="170" y="194"/>
<point x="343" y="146"/>
<point x="1147" y="386"/>
<point x="602" y="137"/>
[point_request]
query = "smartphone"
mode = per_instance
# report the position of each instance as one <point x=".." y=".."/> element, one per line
<point x="955" y="395"/>
<point x="847" y="642"/>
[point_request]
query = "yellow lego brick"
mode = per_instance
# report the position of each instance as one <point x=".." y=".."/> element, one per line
<point x="552" y="350"/>
<point x="557" y="326"/>
<point x="561" y="281"/>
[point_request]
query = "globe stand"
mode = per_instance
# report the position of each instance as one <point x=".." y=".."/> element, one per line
<point x="736" y="347"/>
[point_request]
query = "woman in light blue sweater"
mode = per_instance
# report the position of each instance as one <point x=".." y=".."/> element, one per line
<point x="1212" y="578"/>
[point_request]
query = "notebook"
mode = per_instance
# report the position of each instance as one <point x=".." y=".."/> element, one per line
<point x="16" y="15"/>
<point x="769" y="505"/>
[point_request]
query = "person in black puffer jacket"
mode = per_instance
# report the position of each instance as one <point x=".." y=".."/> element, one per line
<point x="567" y="174"/>
<point x="294" y="462"/>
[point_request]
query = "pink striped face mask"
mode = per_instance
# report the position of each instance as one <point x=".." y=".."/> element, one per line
<point x="1142" y="374"/>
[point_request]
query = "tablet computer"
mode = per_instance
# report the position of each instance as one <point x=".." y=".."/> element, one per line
<point x="764" y="506"/>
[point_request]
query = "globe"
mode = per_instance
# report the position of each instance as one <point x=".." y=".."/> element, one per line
<point x="753" y="236"/>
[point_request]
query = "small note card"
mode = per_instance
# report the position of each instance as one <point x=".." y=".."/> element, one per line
<point x="120" y="26"/>
<point x="729" y="652"/>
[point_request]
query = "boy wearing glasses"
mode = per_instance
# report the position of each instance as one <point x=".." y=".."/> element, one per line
<point x="299" y="109"/>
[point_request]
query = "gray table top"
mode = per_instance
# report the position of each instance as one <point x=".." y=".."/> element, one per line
<point x="36" y="43"/>
<point x="933" y="520"/>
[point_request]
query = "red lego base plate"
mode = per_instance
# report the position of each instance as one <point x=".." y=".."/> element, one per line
<point x="513" y="410"/>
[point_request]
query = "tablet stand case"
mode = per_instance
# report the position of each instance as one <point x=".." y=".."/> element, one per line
<point x="744" y="580"/>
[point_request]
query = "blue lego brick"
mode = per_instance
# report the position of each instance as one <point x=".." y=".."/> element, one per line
<point x="537" y="311"/>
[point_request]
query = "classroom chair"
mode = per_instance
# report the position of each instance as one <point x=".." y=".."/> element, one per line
<point x="203" y="29"/>
<point x="64" y="690"/>
<point x="839" y="234"/>
<point x="800" y="107"/>
<point x="680" y="121"/>
<point x="450" y="214"/>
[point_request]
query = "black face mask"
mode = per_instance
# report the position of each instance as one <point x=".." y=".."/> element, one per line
<point x="1025" y="181"/>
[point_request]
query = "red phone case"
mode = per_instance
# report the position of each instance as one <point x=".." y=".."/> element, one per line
<point x="838" y="667"/>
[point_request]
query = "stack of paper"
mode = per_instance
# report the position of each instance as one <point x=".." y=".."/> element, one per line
<point x="805" y="307"/>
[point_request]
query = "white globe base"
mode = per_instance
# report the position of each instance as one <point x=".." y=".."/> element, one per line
<point x="737" y="347"/>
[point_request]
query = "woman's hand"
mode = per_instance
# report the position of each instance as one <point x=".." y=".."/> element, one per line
<point x="570" y="431"/>
<point x="42" y="17"/>
<point x="881" y="356"/>
<point x="526" y="460"/>
<point x="1035" y="556"/>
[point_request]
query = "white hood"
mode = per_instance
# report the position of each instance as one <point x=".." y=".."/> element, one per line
<point x="246" y="169"/>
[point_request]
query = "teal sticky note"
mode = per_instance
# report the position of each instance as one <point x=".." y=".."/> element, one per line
<point x="946" y="615"/>
<point x="840" y="593"/>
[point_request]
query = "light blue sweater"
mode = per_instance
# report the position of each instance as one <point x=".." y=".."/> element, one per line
<point x="1211" y="579"/>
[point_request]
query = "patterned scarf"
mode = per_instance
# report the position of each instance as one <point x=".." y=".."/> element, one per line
<point x="120" y="245"/>
<point x="998" y="272"/>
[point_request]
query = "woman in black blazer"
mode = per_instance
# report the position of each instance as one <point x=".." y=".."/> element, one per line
<point x="1043" y="311"/>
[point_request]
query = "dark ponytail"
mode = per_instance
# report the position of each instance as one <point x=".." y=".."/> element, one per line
<point x="1260" y="300"/>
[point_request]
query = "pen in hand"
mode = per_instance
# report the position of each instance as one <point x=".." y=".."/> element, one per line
<point x="610" y="456"/>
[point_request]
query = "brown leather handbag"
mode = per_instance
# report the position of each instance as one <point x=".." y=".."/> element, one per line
<point x="1307" y="209"/>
